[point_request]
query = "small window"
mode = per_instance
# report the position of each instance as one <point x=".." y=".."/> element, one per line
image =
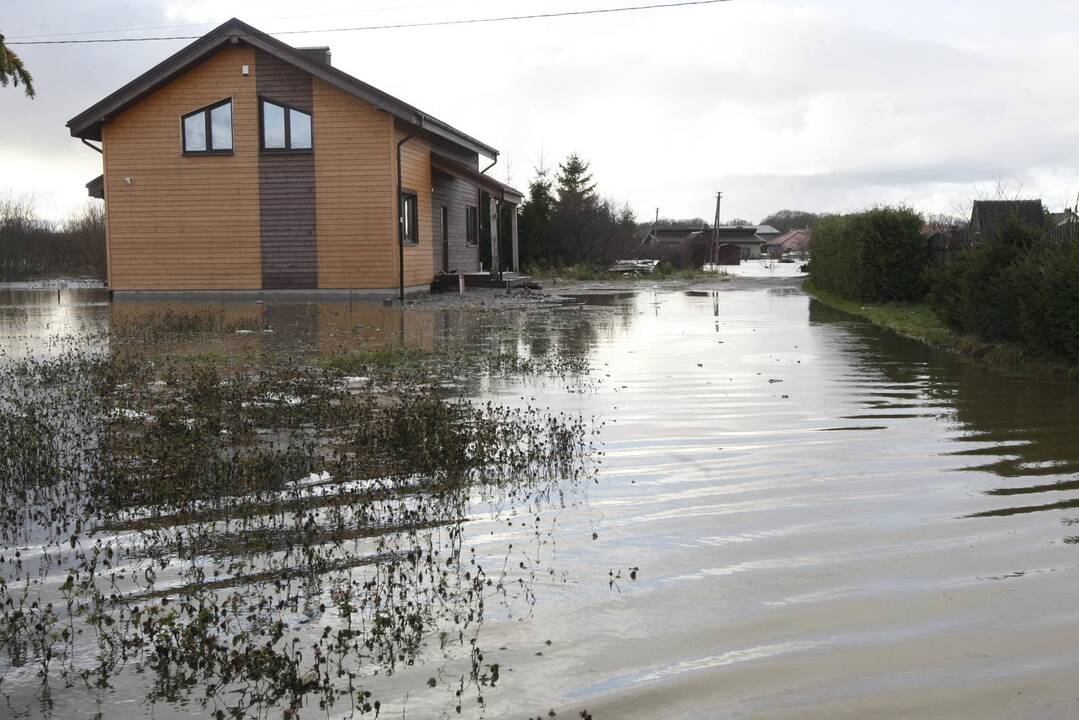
<point x="472" y="225"/>
<point x="208" y="131"/>
<point x="409" y="218"/>
<point x="285" y="128"/>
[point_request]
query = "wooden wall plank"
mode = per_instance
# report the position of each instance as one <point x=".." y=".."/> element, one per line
<point x="185" y="222"/>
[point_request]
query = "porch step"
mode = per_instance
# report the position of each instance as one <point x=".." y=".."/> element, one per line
<point x="450" y="281"/>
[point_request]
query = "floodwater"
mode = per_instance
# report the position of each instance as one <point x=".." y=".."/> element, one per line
<point x="797" y="515"/>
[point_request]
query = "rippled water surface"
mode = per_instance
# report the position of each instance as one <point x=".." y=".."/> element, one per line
<point x="796" y="515"/>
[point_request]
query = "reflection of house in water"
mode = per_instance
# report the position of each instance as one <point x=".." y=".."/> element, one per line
<point x="303" y="331"/>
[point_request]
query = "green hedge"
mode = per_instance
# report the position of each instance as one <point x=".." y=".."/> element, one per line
<point x="1019" y="287"/>
<point x="878" y="255"/>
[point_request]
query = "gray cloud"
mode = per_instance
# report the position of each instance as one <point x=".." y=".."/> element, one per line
<point x="833" y="105"/>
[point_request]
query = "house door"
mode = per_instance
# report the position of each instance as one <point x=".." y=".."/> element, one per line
<point x="445" y="239"/>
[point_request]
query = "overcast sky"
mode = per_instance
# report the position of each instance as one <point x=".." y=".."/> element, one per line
<point x="828" y="105"/>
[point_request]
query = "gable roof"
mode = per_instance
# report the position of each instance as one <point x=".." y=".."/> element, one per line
<point x="792" y="240"/>
<point x="738" y="234"/>
<point x="989" y="215"/>
<point x="87" y="124"/>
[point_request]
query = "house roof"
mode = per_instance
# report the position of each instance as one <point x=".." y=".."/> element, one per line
<point x="792" y="240"/>
<point x="988" y="215"/>
<point x="735" y="234"/>
<point x="677" y="230"/>
<point x="1063" y="218"/>
<point x="87" y="124"/>
<point x="767" y="230"/>
<point x="486" y="182"/>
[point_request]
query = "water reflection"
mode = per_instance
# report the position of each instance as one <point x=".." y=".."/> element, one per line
<point x="784" y="476"/>
<point x="1020" y="428"/>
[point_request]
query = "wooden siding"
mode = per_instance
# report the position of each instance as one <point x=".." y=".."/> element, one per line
<point x="416" y="175"/>
<point x="185" y="222"/>
<point x="354" y="177"/>
<point x="454" y="194"/>
<point x="287" y="186"/>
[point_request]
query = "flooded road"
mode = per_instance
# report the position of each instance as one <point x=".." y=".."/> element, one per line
<point x="795" y="514"/>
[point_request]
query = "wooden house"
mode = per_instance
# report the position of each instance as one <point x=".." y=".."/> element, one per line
<point x="988" y="217"/>
<point x="242" y="163"/>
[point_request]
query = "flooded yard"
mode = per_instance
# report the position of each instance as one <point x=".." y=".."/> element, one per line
<point x="627" y="501"/>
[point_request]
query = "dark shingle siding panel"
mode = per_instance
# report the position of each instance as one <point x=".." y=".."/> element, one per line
<point x="455" y="195"/>
<point x="287" y="187"/>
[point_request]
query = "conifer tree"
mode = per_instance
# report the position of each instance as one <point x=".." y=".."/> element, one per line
<point x="536" y="216"/>
<point x="13" y="71"/>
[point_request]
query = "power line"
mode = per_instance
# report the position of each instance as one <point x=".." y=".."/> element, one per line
<point x="364" y="11"/>
<point x="398" y="26"/>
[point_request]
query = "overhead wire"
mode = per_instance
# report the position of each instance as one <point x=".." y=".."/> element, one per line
<point x="397" y="26"/>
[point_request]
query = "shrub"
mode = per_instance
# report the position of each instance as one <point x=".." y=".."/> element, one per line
<point x="1046" y="286"/>
<point x="1019" y="287"/>
<point x="977" y="291"/>
<point x="875" y="255"/>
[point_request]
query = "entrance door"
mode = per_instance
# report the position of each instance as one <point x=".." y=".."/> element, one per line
<point x="445" y="239"/>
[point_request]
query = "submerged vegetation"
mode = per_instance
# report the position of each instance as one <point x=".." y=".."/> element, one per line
<point x="256" y="537"/>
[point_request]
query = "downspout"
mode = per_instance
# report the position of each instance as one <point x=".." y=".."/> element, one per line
<point x="92" y="147"/>
<point x="400" y="219"/>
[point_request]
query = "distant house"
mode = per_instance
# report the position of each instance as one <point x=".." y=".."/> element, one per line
<point x="1067" y="217"/>
<point x="794" y="242"/>
<point x="989" y="216"/>
<point x="668" y="238"/>
<point x="767" y="233"/>
<point x="728" y="254"/>
<point x="745" y="237"/>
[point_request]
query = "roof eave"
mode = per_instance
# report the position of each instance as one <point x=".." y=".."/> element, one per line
<point x="87" y="125"/>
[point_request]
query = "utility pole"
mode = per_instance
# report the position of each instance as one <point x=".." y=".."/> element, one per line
<point x="655" y="227"/>
<point x="715" y="229"/>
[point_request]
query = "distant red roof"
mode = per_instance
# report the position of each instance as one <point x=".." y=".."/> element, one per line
<point x="793" y="240"/>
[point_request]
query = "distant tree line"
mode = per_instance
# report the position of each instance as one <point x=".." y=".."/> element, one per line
<point x="787" y="220"/>
<point x="32" y="248"/>
<point x="564" y="221"/>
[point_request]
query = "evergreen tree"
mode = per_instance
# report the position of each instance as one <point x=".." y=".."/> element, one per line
<point x="12" y="70"/>
<point x="566" y="223"/>
<point x="533" y="231"/>
<point x="575" y="187"/>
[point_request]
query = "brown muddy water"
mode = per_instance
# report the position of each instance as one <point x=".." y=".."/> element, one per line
<point x="793" y="515"/>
